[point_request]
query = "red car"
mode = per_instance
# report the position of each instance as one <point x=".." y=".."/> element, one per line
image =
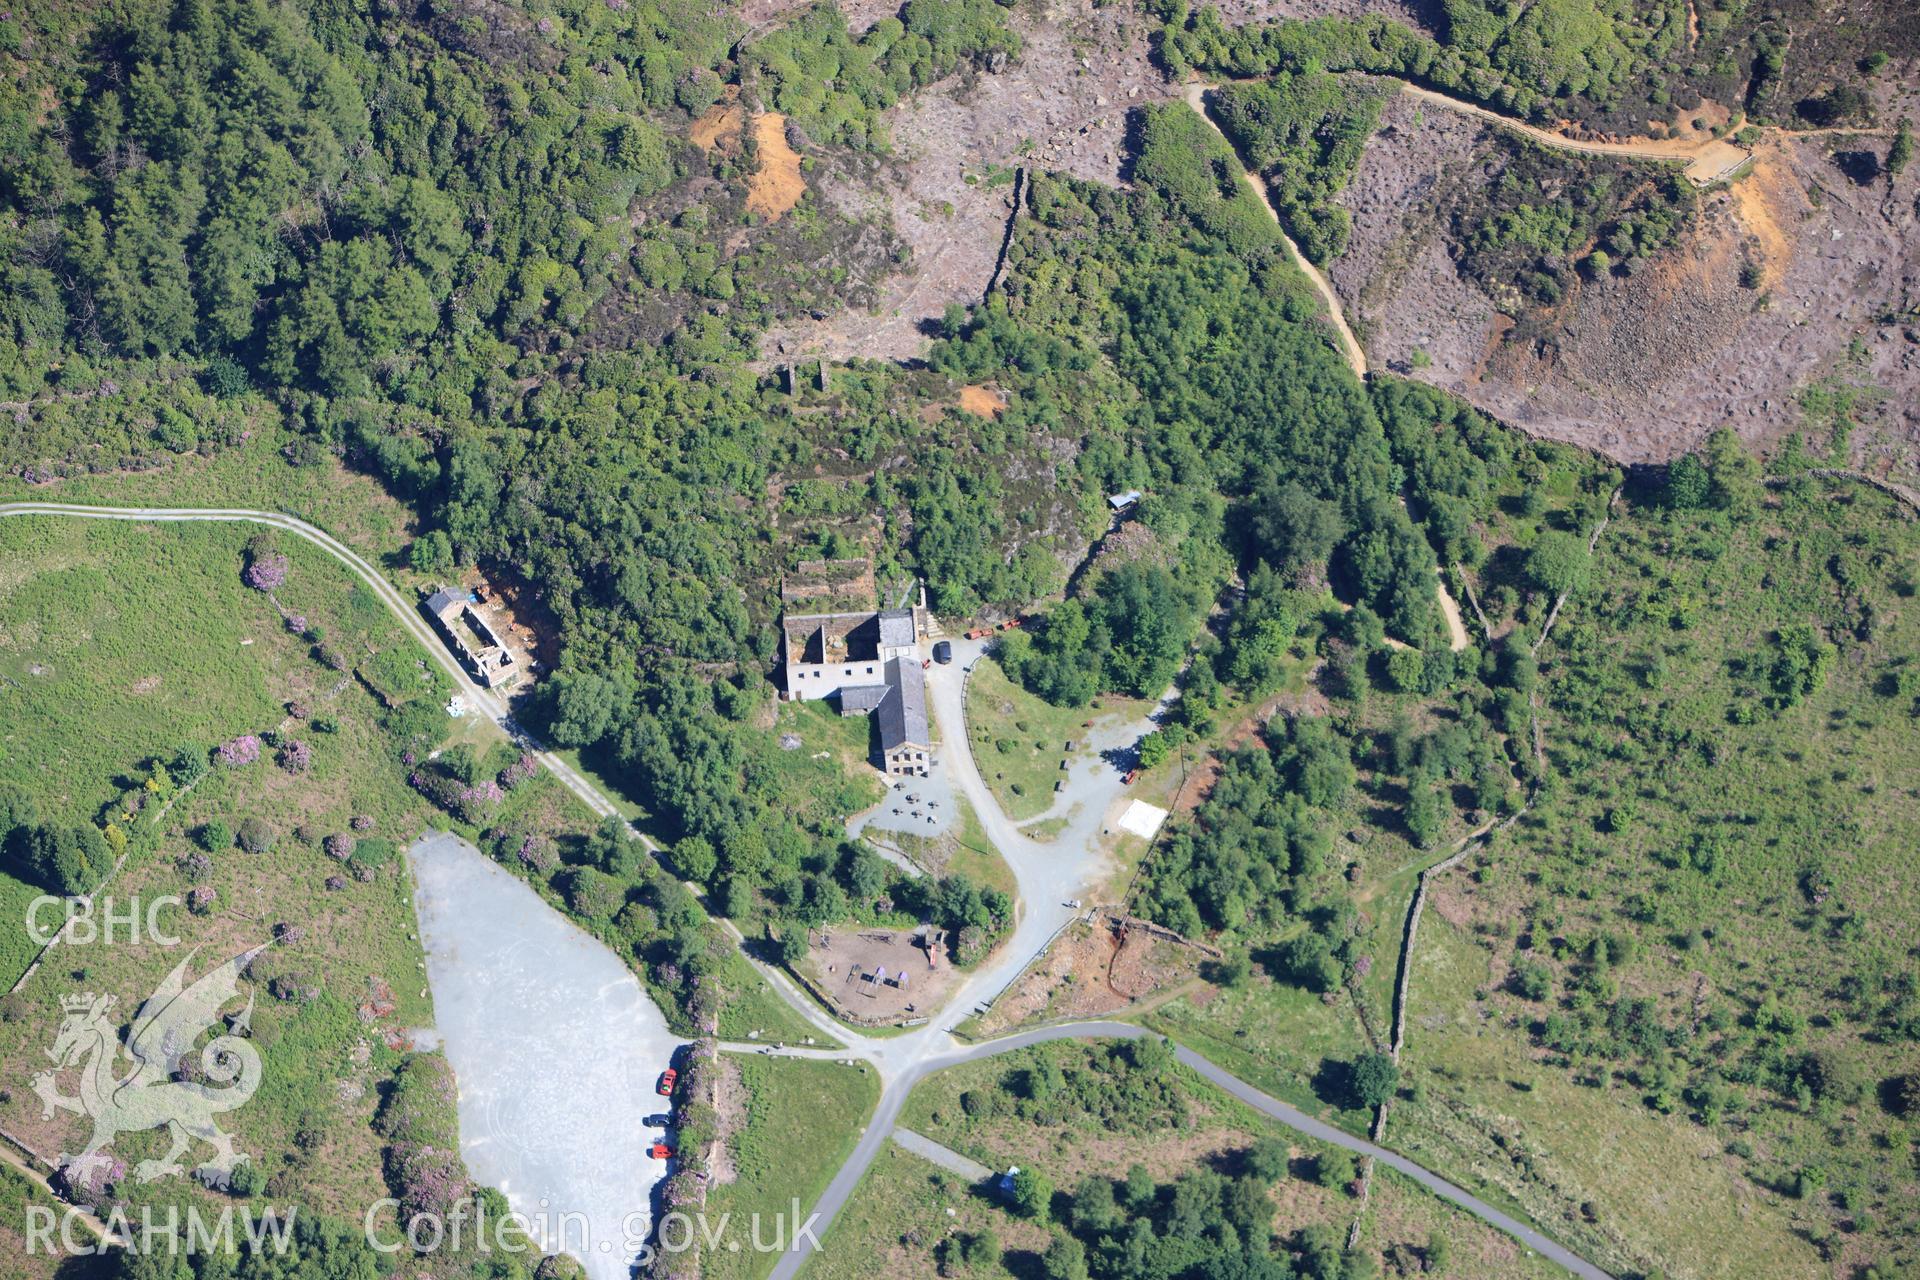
<point x="660" y="1151"/>
<point x="1131" y="775"/>
<point x="667" y="1079"/>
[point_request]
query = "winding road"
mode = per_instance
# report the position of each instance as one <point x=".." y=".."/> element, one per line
<point x="485" y="699"/>
<point x="1047" y="875"/>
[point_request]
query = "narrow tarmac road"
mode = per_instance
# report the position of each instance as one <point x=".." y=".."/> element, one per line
<point x="944" y="1157"/>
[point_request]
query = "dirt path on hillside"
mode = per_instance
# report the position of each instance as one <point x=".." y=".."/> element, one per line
<point x="1708" y="160"/>
<point x="1457" y="638"/>
<point x="1196" y="95"/>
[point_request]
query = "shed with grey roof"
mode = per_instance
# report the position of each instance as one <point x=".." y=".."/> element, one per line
<point x="862" y="699"/>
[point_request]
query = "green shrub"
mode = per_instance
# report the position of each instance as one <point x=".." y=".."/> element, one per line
<point x="255" y="835"/>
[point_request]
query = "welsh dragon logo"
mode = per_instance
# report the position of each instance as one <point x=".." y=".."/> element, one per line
<point x="151" y="1094"/>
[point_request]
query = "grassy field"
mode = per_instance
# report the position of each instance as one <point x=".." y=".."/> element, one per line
<point x="903" y="1210"/>
<point x="334" y="996"/>
<point x="1272" y="1034"/>
<point x="1020" y="741"/>
<point x="847" y="740"/>
<point x="1690" y="965"/>
<point x="1548" y="1146"/>
<point x="92" y="686"/>
<point x="759" y="1012"/>
<point x="118" y="641"/>
<point x="802" y="1120"/>
<point x="974" y="855"/>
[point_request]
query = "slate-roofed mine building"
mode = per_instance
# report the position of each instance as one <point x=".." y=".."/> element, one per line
<point x="489" y="661"/>
<point x="869" y="663"/>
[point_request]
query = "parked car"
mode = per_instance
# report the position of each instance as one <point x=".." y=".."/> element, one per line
<point x="667" y="1079"/>
<point x="943" y="651"/>
<point x="660" y="1151"/>
<point x="1131" y="775"/>
<point x="658" y="1120"/>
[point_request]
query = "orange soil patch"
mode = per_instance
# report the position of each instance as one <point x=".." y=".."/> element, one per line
<point x="1091" y="971"/>
<point x="777" y="185"/>
<point x="718" y="129"/>
<point x="982" y="402"/>
<point x="1753" y="202"/>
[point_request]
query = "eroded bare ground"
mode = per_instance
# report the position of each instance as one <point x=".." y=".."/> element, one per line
<point x="1093" y="970"/>
<point x="1060" y="106"/>
<point x="1424" y="15"/>
<point x="1643" y="367"/>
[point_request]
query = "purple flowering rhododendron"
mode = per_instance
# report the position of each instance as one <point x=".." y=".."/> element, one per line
<point x="242" y="750"/>
<point x="268" y="572"/>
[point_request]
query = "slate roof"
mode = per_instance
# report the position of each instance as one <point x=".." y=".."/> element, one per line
<point x="896" y="628"/>
<point x="903" y="715"/>
<point x="441" y="600"/>
<point x="859" y="699"/>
